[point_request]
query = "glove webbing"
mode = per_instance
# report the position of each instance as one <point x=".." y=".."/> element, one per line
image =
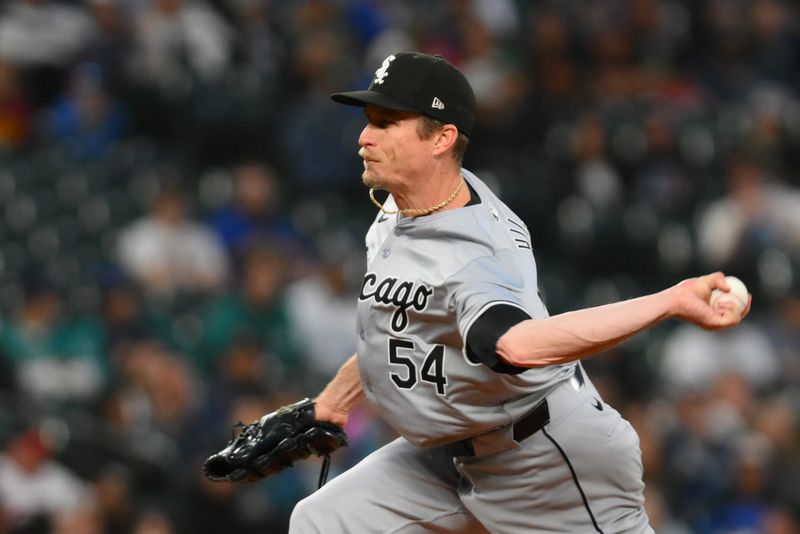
<point x="323" y="474"/>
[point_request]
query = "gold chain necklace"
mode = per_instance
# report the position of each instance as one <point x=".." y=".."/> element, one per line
<point x="417" y="211"/>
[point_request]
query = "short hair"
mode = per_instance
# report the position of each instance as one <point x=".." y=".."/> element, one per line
<point x="427" y="126"/>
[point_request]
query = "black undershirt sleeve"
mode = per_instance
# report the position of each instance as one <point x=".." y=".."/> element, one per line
<point x="486" y="330"/>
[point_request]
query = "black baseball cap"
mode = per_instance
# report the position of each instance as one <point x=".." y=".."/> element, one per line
<point x="421" y="83"/>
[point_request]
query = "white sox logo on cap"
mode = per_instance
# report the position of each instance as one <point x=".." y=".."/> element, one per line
<point x="419" y="83"/>
<point x="383" y="71"/>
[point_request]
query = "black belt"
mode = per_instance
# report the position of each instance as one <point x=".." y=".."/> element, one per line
<point x="533" y="422"/>
<point x="529" y="425"/>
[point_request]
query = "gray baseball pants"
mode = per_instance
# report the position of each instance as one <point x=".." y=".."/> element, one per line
<point x="581" y="473"/>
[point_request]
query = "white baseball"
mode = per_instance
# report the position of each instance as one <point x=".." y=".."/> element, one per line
<point x="737" y="294"/>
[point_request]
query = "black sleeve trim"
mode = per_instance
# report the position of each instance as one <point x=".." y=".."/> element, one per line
<point x="481" y="345"/>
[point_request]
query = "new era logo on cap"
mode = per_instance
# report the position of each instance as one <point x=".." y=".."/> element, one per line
<point x="420" y="83"/>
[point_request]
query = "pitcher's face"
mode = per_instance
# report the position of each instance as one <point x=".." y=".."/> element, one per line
<point x="391" y="147"/>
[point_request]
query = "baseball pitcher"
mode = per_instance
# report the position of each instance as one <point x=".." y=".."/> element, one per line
<point x="500" y="429"/>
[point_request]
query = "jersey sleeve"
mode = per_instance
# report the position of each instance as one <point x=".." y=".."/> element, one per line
<point x="493" y="280"/>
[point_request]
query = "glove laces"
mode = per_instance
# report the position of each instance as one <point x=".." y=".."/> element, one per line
<point x="251" y="430"/>
<point x="323" y="473"/>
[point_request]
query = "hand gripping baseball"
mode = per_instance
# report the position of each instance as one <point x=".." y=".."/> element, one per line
<point x="692" y="299"/>
<point x="273" y="443"/>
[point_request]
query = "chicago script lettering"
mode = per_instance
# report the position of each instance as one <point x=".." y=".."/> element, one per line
<point x="400" y="293"/>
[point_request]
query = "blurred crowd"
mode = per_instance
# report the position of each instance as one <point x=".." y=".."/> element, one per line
<point x="182" y="235"/>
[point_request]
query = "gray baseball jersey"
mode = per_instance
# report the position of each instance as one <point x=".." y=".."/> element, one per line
<point x="427" y="280"/>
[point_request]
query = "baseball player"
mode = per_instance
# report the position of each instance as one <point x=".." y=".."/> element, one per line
<point x="500" y="429"/>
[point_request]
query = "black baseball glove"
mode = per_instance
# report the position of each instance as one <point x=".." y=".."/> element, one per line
<point x="271" y="444"/>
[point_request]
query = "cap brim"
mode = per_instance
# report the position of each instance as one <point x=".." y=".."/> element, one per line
<point x="362" y="98"/>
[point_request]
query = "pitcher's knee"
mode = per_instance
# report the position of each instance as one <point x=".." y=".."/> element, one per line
<point x="307" y="516"/>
